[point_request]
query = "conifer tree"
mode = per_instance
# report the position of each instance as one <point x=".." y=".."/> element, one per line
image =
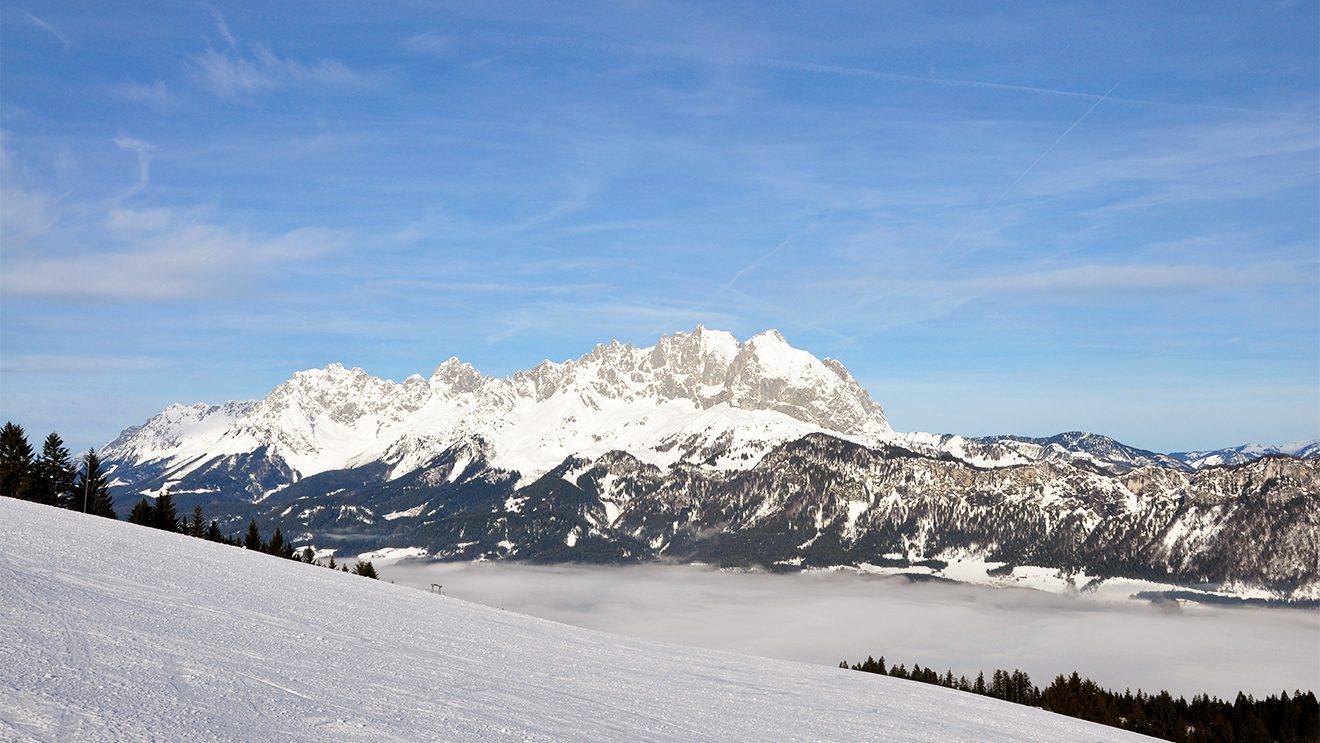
<point x="16" y="465"/>
<point x="332" y="564"/>
<point x="213" y="533"/>
<point x="54" y="473"/>
<point x="308" y="555"/>
<point x="253" y="539"/>
<point x="167" y="517"/>
<point x="142" y="514"/>
<point x="93" y="488"/>
<point x="197" y="524"/>
<point x="365" y="569"/>
<point x="276" y="544"/>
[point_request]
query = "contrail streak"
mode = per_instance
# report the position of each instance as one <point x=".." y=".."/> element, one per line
<point x="1050" y="149"/>
<point x="873" y="74"/>
<point x="782" y="244"/>
<point x="972" y="222"/>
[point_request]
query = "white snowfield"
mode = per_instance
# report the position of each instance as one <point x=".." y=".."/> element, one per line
<point x="110" y="631"/>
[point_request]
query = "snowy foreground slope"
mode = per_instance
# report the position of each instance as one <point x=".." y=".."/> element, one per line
<point x="110" y="631"/>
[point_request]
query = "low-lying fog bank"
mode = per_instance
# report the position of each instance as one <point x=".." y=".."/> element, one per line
<point x="826" y="617"/>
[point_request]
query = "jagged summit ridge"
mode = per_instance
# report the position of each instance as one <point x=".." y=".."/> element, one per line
<point x="698" y="396"/>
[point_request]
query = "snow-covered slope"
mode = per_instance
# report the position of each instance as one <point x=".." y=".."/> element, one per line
<point x="110" y="631"/>
<point x="695" y="397"/>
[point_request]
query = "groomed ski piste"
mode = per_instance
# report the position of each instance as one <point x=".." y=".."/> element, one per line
<point x="115" y="632"/>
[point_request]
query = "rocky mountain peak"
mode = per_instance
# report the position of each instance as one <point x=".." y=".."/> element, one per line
<point x="457" y="377"/>
<point x="769" y="374"/>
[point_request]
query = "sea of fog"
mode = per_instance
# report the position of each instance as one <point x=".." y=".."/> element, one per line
<point x="825" y="617"/>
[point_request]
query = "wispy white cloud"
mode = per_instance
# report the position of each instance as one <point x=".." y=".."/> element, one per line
<point x="223" y="27"/>
<point x="26" y="212"/>
<point x="237" y="76"/>
<point x="72" y="363"/>
<point x="891" y="302"/>
<point x="143" y="161"/>
<point x="156" y="95"/>
<point x="1122" y="278"/>
<point x="158" y="255"/>
<point x="48" y="28"/>
<point x="427" y="43"/>
<point x="234" y="74"/>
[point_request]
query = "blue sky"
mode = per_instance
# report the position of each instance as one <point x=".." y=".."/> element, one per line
<point x="1003" y="218"/>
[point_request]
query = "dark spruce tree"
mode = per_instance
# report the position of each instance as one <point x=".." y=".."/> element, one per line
<point x="213" y="533"/>
<point x="167" y="516"/>
<point x="197" y="524"/>
<point x="93" y="489"/>
<point x="16" y="465"/>
<point x="54" y="473"/>
<point x="253" y="539"/>
<point x="365" y="568"/>
<point x="143" y="514"/>
<point x="276" y="544"/>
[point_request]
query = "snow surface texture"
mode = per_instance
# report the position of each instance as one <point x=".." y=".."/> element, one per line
<point x="110" y="631"/>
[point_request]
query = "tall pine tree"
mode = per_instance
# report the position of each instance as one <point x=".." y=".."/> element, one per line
<point x="54" y="473"/>
<point x="93" y="489"/>
<point x="253" y="539"/>
<point x="167" y="517"/>
<point x="197" y="524"/>
<point x="276" y="544"/>
<point x="16" y="465"/>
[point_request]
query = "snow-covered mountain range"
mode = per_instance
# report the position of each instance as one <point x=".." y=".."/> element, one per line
<point x="677" y="401"/>
<point x="704" y="447"/>
<point x="1246" y="453"/>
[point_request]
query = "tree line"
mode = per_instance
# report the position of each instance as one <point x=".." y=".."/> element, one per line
<point x="1281" y="719"/>
<point x="52" y="479"/>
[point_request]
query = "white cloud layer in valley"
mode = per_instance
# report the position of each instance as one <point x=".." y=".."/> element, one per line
<point x="827" y="617"/>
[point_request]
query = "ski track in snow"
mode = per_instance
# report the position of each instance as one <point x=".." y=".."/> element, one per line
<point x="110" y="631"/>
